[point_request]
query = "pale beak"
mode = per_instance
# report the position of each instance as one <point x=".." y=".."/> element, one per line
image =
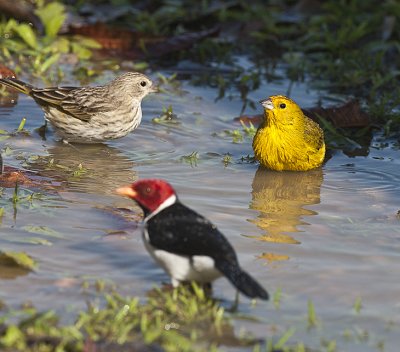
<point x="267" y="104"/>
<point x="126" y="191"/>
<point x="154" y="89"/>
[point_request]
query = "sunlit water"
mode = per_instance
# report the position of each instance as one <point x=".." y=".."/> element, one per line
<point x="330" y="235"/>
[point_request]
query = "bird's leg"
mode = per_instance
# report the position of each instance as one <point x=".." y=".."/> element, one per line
<point x="175" y="283"/>
<point x="235" y="304"/>
<point x="42" y="130"/>
<point x="207" y="287"/>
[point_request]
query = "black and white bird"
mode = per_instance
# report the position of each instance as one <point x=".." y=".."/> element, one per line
<point x="184" y="243"/>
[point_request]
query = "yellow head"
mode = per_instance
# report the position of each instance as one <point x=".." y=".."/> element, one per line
<point x="280" y="110"/>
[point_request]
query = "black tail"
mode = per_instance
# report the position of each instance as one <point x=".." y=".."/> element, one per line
<point x="17" y="84"/>
<point x="242" y="281"/>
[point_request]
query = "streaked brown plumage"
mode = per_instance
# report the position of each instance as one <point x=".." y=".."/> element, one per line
<point x="91" y="114"/>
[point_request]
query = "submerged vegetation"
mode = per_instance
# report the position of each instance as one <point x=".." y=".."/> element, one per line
<point x="181" y="319"/>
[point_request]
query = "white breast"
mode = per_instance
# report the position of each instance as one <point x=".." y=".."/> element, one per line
<point x="183" y="268"/>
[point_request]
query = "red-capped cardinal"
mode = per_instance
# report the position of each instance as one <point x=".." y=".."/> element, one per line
<point x="184" y="243"/>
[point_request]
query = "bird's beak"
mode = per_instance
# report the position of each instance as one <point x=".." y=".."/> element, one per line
<point x="154" y="89"/>
<point x="267" y="104"/>
<point x="126" y="191"/>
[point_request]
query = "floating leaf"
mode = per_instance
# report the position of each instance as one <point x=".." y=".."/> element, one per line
<point x="42" y="230"/>
<point x="34" y="240"/>
<point x="17" y="259"/>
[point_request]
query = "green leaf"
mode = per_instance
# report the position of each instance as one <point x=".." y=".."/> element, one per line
<point x="87" y="42"/>
<point x="17" y="259"/>
<point x="53" y="16"/>
<point x="27" y="34"/>
<point x="42" y="230"/>
<point x="60" y="45"/>
<point x="13" y="337"/>
<point x="10" y="25"/>
<point x="49" y="62"/>
<point x="81" y="51"/>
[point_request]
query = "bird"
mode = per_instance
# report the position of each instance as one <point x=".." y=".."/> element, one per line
<point x="287" y="139"/>
<point x="184" y="243"/>
<point x="91" y="114"/>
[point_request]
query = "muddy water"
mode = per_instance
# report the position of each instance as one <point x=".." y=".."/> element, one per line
<point x="330" y="235"/>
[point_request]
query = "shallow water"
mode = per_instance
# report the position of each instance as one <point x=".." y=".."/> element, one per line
<point x="330" y="235"/>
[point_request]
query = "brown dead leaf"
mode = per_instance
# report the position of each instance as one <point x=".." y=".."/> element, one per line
<point x="9" y="179"/>
<point x="110" y="38"/>
<point x="5" y="72"/>
<point x="10" y="96"/>
<point x="136" y="45"/>
<point x="11" y="176"/>
<point x="343" y="116"/>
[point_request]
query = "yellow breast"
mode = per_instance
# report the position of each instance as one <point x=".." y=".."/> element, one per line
<point x="287" y="139"/>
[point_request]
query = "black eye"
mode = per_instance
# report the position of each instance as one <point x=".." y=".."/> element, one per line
<point x="143" y="83"/>
<point x="282" y="105"/>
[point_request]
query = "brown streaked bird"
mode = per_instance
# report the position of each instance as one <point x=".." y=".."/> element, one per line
<point x="91" y="114"/>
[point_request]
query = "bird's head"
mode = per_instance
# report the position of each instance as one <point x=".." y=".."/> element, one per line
<point x="281" y="110"/>
<point x="150" y="194"/>
<point x="136" y="85"/>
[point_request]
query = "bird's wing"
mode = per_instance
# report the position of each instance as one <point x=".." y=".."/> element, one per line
<point x="313" y="134"/>
<point x="180" y="230"/>
<point x="81" y="103"/>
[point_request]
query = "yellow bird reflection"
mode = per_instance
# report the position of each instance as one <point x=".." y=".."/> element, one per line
<point x="280" y="198"/>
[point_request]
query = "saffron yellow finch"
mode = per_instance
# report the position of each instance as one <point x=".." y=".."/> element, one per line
<point x="287" y="139"/>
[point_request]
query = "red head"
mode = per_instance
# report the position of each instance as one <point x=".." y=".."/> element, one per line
<point x="150" y="194"/>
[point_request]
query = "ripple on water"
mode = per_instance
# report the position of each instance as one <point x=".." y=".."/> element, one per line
<point x="351" y="178"/>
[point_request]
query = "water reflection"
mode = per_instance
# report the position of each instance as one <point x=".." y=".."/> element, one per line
<point x="92" y="168"/>
<point x="280" y="198"/>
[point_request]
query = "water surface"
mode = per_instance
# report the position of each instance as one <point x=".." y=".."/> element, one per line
<point x="330" y="235"/>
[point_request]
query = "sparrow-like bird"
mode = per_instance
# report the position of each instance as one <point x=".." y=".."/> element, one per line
<point x="91" y="114"/>
<point x="184" y="243"/>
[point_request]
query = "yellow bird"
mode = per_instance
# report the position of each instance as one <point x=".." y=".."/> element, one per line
<point x="287" y="139"/>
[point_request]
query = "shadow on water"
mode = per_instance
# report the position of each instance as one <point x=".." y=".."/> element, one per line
<point x="92" y="168"/>
<point x="280" y="198"/>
